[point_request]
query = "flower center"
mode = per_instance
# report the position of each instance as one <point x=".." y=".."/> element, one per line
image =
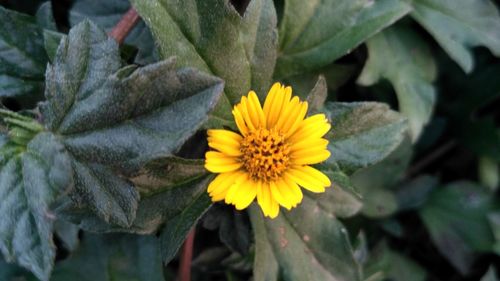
<point x="265" y="154"/>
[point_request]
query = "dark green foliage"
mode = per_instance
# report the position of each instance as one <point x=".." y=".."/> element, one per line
<point x="415" y="139"/>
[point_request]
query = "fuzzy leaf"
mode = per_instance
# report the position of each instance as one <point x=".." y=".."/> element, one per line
<point x="401" y="56"/>
<point x="113" y="121"/>
<point x="315" y="33"/>
<point x="154" y="209"/>
<point x="31" y="179"/>
<point x="456" y="217"/>
<point x="22" y="57"/>
<point x="175" y="230"/>
<point x="362" y="133"/>
<point x="458" y="25"/>
<point x="112" y="257"/>
<point x="308" y="243"/>
<point x="207" y="35"/>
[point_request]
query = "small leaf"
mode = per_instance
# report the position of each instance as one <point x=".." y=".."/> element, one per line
<point x="31" y="179"/>
<point x="175" y="230"/>
<point x="45" y="17"/>
<point x="114" y="121"/>
<point x="315" y="33"/>
<point x="233" y="226"/>
<point x="22" y="57"/>
<point x="458" y="25"/>
<point x="456" y="217"/>
<point x="362" y="134"/>
<point x="393" y="265"/>
<point x="112" y="257"/>
<point x="309" y="244"/>
<point x="490" y="275"/>
<point x="402" y="57"/>
<point x="154" y="209"/>
<point x="318" y="95"/>
<point x="265" y="267"/>
<point x="376" y="182"/>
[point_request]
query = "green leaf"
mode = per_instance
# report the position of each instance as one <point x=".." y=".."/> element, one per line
<point x="362" y="134"/>
<point x="456" y="217"/>
<point x="107" y="14"/>
<point x="458" y="25"/>
<point x="22" y="57"/>
<point x="233" y="227"/>
<point x="211" y="36"/>
<point x="315" y="33"/>
<point x="490" y="275"/>
<point x="401" y="56"/>
<point x="489" y="173"/>
<point x="393" y="265"/>
<point x="375" y="182"/>
<point x="413" y="194"/>
<point x="113" y="121"/>
<point x="11" y="272"/>
<point x="154" y="209"/>
<point x="31" y="179"/>
<point x="112" y="257"/>
<point x="308" y="244"/>
<point x="51" y="41"/>
<point x="67" y="234"/>
<point x="265" y="267"/>
<point x="45" y="17"/>
<point x="175" y="230"/>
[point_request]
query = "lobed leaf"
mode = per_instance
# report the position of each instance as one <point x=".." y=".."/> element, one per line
<point x="113" y="121"/>
<point x="456" y="217"/>
<point x="22" y="57"/>
<point x="458" y="25"/>
<point x="308" y="243"/>
<point x="315" y="33"/>
<point x="402" y="57"/>
<point x="112" y="257"/>
<point x="362" y="134"/>
<point x="31" y="179"/>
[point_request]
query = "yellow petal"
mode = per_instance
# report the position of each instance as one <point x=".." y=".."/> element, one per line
<point x="240" y="122"/>
<point x="308" y="144"/>
<point x="307" y="125"/>
<point x="218" y="188"/>
<point x="219" y="133"/>
<point x="287" y="112"/>
<point x="218" y="158"/>
<point x="318" y="175"/>
<point x="243" y="108"/>
<point x="225" y="148"/>
<point x="278" y="196"/>
<point x="264" y="197"/>
<point x="306" y="181"/>
<point x="294" y="189"/>
<point x="271" y="95"/>
<point x="233" y="189"/>
<point x="222" y="168"/>
<point x="274" y="209"/>
<point x="294" y="122"/>
<point x="317" y="157"/>
<point x="256" y="109"/>
<point x="245" y="194"/>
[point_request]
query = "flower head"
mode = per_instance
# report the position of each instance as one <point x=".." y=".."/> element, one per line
<point x="270" y="157"/>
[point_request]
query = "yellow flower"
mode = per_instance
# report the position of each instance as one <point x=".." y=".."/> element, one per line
<point x="270" y="157"/>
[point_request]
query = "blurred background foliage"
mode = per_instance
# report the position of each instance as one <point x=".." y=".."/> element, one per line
<point x="429" y="211"/>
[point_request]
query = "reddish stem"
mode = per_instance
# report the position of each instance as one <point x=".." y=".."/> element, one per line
<point x="187" y="257"/>
<point x="124" y="26"/>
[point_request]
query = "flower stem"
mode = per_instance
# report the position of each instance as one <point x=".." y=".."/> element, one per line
<point x="186" y="257"/>
<point x="124" y="26"/>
